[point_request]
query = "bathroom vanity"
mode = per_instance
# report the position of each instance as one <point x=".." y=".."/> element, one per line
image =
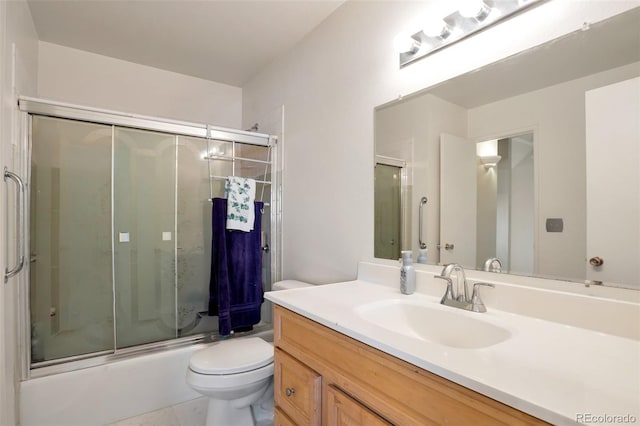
<point x="325" y="377"/>
<point x="362" y="353"/>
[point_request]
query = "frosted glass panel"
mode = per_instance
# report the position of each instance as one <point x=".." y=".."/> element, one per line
<point x="194" y="235"/>
<point x="144" y="236"/>
<point x="70" y="240"/>
<point x="195" y="188"/>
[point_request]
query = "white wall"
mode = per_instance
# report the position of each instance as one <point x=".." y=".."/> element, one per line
<point x="88" y="79"/>
<point x="329" y="85"/>
<point x="18" y="64"/>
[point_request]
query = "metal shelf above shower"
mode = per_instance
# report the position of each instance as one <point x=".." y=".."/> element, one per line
<point x="263" y="182"/>
<point x="232" y="159"/>
<point x="229" y="158"/>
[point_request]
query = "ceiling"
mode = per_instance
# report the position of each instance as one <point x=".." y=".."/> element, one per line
<point x="228" y="41"/>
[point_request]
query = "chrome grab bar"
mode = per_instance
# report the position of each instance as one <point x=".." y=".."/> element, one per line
<point x="8" y="273"/>
<point x="423" y="201"/>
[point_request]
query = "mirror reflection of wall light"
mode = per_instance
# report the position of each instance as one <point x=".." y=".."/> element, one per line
<point x="472" y="16"/>
<point x="490" y="161"/>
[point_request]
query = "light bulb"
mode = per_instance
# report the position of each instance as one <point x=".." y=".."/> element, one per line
<point x="436" y="27"/>
<point x="404" y="43"/>
<point x="477" y="9"/>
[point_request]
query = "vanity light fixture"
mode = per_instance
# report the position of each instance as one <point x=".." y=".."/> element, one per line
<point x="476" y="9"/>
<point x="471" y="17"/>
<point x="490" y="161"/>
<point x="405" y="44"/>
<point x="436" y="28"/>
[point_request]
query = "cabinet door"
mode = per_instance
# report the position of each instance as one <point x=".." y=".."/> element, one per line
<point x="281" y="419"/>
<point x="343" y="410"/>
<point x="297" y="389"/>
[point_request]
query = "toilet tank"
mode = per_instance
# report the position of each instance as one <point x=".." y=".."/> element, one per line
<point x="288" y="285"/>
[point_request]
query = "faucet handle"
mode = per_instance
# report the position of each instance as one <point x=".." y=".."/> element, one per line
<point x="476" y="302"/>
<point x="448" y="294"/>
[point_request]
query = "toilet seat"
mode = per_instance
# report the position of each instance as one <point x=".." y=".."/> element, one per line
<point x="232" y="357"/>
<point x="228" y="382"/>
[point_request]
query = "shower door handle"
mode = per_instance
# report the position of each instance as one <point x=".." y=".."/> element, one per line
<point x="423" y="201"/>
<point x="8" y="273"/>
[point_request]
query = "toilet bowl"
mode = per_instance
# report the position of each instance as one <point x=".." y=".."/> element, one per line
<point x="235" y="374"/>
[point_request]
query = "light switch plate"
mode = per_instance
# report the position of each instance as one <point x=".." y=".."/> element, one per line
<point x="123" y="237"/>
<point x="166" y="236"/>
<point x="554" y="225"/>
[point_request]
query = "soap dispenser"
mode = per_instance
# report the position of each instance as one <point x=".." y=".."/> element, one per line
<point x="407" y="273"/>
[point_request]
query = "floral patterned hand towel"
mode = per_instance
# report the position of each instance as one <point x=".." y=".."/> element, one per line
<point x="240" y="193"/>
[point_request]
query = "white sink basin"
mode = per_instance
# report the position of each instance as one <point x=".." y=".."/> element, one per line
<point x="435" y="324"/>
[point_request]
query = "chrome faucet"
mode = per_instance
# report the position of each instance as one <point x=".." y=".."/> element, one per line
<point x="460" y="292"/>
<point x="493" y="264"/>
<point x="459" y="297"/>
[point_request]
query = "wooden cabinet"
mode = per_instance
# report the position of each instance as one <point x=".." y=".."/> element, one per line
<point x="337" y="380"/>
<point x="281" y="419"/>
<point x="342" y="410"/>
<point x="296" y="389"/>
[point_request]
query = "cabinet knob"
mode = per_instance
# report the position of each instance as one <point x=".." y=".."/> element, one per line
<point x="290" y="391"/>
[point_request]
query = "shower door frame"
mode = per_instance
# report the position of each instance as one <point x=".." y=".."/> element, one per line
<point x="34" y="106"/>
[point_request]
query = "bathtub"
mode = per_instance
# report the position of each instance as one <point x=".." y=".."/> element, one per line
<point x="110" y="392"/>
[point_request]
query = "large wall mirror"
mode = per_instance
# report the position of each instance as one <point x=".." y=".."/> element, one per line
<point x="533" y="160"/>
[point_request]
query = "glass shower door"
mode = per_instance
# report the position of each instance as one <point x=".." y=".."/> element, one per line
<point x="144" y="179"/>
<point x="203" y="165"/>
<point x="120" y="234"/>
<point x="388" y="208"/>
<point x="71" y="302"/>
<point x="194" y="237"/>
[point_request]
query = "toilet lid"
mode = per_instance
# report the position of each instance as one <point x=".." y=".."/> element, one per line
<point x="232" y="356"/>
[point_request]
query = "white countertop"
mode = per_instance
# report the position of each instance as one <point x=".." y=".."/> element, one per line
<point x="552" y="371"/>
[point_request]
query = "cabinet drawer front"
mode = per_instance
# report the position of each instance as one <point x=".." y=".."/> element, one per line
<point x="297" y="389"/>
<point x="343" y="410"/>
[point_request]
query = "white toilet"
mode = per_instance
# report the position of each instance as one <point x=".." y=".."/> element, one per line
<point x="234" y="374"/>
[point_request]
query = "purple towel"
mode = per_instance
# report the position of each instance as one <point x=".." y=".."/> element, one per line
<point x="235" y="287"/>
